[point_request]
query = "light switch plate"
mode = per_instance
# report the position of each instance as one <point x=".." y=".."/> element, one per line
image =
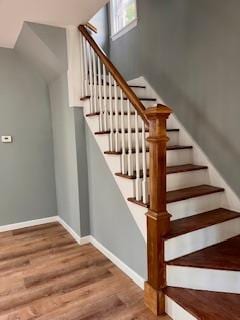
<point x="6" y="139"/>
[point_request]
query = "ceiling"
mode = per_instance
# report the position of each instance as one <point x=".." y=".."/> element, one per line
<point x="52" y="12"/>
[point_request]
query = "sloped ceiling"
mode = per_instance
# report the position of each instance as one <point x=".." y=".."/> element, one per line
<point x="59" y="13"/>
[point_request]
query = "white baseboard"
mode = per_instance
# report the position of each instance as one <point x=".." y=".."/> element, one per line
<point x="79" y="240"/>
<point x="30" y="223"/>
<point x="119" y="263"/>
<point x="115" y="260"/>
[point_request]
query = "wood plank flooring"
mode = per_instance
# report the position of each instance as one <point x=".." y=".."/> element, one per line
<point x="46" y="275"/>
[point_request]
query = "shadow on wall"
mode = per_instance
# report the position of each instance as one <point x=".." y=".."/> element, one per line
<point x="214" y="140"/>
<point x="189" y="52"/>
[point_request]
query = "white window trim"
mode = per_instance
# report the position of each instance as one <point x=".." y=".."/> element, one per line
<point x="126" y="29"/>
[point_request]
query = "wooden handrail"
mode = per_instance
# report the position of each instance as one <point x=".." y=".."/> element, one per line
<point x="91" y="27"/>
<point x="137" y="104"/>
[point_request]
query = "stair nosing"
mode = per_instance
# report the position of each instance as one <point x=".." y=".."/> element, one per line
<point x="237" y="215"/>
<point x="169" y="148"/>
<point x="195" y="168"/>
<point x="119" y="98"/>
<point x="217" y="190"/>
<point x="126" y="131"/>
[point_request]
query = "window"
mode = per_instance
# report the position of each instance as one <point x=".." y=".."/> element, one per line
<point x="123" y="16"/>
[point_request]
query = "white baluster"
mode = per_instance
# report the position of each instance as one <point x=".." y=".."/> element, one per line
<point x="100" y="96"/>
<point x="129" y="134"/>
<point x="111" y="114"/>
<point x="116" y="117"/>
<point x="82" y="67"/>
<point x="85" y="66"/>
<point x="137" y="159"/>
<point x="95" y="97"/>
<point x="144" y="165"/>
<point x="123" y="145"/>
<point x="90" y="78"/>
<point x="105" y="99"/>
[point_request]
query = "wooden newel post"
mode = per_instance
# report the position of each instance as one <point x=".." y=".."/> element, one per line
<point x="158" y="219"/>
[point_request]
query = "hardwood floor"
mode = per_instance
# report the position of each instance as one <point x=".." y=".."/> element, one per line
<point x="46" y="275"/>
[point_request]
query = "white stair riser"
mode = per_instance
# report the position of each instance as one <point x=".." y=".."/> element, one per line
<point x="200" y="239"/>
<point x="193" y="206"/>
<point x="203" y="279"/>
<point x="140" y="92"/>
<point x="96" y="125"/>
<point x="174" y="158"/>
<point x="146" y="103"/>
<point x="174" y="181"/>
<point x="186" y="179"/>
<point x="173" y="140"/>
<point x="179" y="157"/>
<point x="176" y="312"/>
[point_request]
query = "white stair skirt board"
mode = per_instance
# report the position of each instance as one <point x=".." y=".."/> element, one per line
<point x="193" y="206"/>
<point x="25" y="224"/>
<point x="200" y="239"/>
<point x="176" y="312"/>
<point x="203" y="279"/>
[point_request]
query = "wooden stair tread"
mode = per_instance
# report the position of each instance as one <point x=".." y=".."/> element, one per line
<point x="170" y="170"/>
<point x="199" y="221"/>
<point x="206" y="305"/>
<point x="222" y="256"/>
<point x="184" y="194"/>
<point x="130" y="85"/>
<point x="119" y="113"/>
<point x="169" y="148"/>
<point x="132" y="131"/>
<point x="119" y="98"/>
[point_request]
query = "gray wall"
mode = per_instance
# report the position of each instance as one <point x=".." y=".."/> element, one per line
<point x="100" y="21"/>
<point x="66" y="170"/>
<point x="27" y="188"/>
<point x="189" y="51"/>
<point x="111" y="221"/>
<point x="82" y="163"/>
<point x="45" y="48"/>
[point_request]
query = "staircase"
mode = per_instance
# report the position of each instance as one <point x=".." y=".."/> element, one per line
<point x="192" y="231"/>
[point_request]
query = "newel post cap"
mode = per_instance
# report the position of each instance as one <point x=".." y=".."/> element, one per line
<point x="160" y="111"/>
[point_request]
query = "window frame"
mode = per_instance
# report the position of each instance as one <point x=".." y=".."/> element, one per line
<point x="125" y="29"/>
